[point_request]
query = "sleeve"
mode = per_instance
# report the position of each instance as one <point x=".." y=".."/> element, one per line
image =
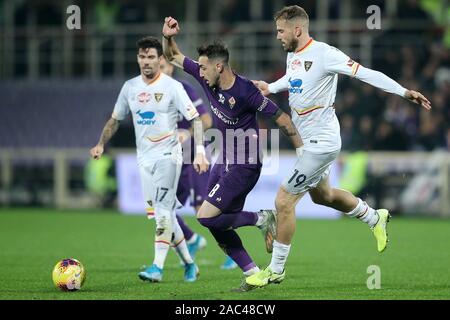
<point x="121" y="108"/>
<point x="197" y="101"/>
<point x="183" y="103"/>
<point x="380" y="81"/>
<point x="281" y="84"/>
<point x="338" y="62"/>
<point x="335" y="61"/>
<point x="192" y="67"/>
<point x="259" y="103"/>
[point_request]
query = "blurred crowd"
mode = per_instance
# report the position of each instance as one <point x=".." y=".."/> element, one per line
<point x="373" y="120"/>
<point x="370" y="119"/>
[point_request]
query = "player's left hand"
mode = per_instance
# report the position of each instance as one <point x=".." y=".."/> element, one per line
<point x="201" y="163"/>
<point x="418" y="98"/>
<point x="170" y="27"/>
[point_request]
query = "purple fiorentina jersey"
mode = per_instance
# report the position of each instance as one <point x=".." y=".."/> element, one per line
<point x="235" y="109"/>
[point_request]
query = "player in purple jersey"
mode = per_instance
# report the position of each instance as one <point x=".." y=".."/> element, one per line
<point x="234" y="101"/>
<point x="191" y="183"/>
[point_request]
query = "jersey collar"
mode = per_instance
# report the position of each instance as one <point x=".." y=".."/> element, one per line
<point x="305" y="46"/>
<point x="152" y="81"/>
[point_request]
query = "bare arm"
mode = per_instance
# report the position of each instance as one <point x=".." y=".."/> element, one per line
<point x="109" y="130"/>
<point x="285" y="124"/>
<point x="170" y="48"/>
<point x="198" y="132"/>
<point x="201" y="163"/>
<point x="206" y="122"/>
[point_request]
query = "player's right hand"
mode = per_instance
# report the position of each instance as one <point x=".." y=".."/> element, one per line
<point x="170" y="27"/>
<point x="262" y="86"/>
<point x="97" y="151"/>
<point x="201" y="163"/>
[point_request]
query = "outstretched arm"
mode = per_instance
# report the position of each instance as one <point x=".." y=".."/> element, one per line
<point x="170" y="48"/>
<point x="201" y="163"/>
<point x="274" y="87"/>
<point x="383" y="82"/>
<point x="108" y="131"/>
<point x="338" y="62"/>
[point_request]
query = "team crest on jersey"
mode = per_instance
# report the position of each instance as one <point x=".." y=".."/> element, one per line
<point x="231" y="102"/>
<point x="158" y="96"/>
<point x="144" y="97"/>
<point x="308" y="65"/>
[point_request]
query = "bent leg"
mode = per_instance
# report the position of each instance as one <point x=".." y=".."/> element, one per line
<point x="343" y="201"/>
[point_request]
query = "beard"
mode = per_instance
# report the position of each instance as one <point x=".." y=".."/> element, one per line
<point x="214" y="84"/>
<point x="291" y="45"/>
<point x="148" y="73"/>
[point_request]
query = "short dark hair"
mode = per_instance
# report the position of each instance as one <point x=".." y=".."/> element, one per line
<point x="291" y="12"/>
<point x="217" y="49"/>
<point x="150" y="42"/>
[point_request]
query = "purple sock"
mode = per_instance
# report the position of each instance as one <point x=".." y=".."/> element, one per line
<point x="230" y="242"/>
<point x="225" y="221"/>
<point x="188" y="233"/>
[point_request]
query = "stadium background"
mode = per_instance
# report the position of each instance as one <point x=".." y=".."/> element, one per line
<point x="58" y="87"/>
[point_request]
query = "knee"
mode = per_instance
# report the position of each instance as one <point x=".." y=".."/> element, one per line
<point x="207" y="210"/>
<point x="324" y="198"/>
<point x="283" y="206"/>
<point x="204" y="222"/>
<point x="200" y="214"/>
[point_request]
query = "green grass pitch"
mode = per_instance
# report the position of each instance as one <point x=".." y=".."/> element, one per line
<point x="328" y="260"/>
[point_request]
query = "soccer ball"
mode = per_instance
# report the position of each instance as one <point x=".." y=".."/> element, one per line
<point x="68" y="275"/>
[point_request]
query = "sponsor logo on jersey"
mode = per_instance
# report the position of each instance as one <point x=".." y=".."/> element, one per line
<point x="295" y="86"/>
<point x="296" y="64"/>
<point x="221" y="98"/>
<point x="144" y="97"/>
<point x="308" y="65"/>
<point x="350" y="63"/>
<point x="223" y="117"/>
<point x="158" y="96"/>
<point x="146" y="117"/>
<point x="231" y="102"/>
<point x="263" y="104"/>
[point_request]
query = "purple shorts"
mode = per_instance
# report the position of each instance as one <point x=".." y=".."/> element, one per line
<point x="228" y="189"/>
<point x="193" y="185"/>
